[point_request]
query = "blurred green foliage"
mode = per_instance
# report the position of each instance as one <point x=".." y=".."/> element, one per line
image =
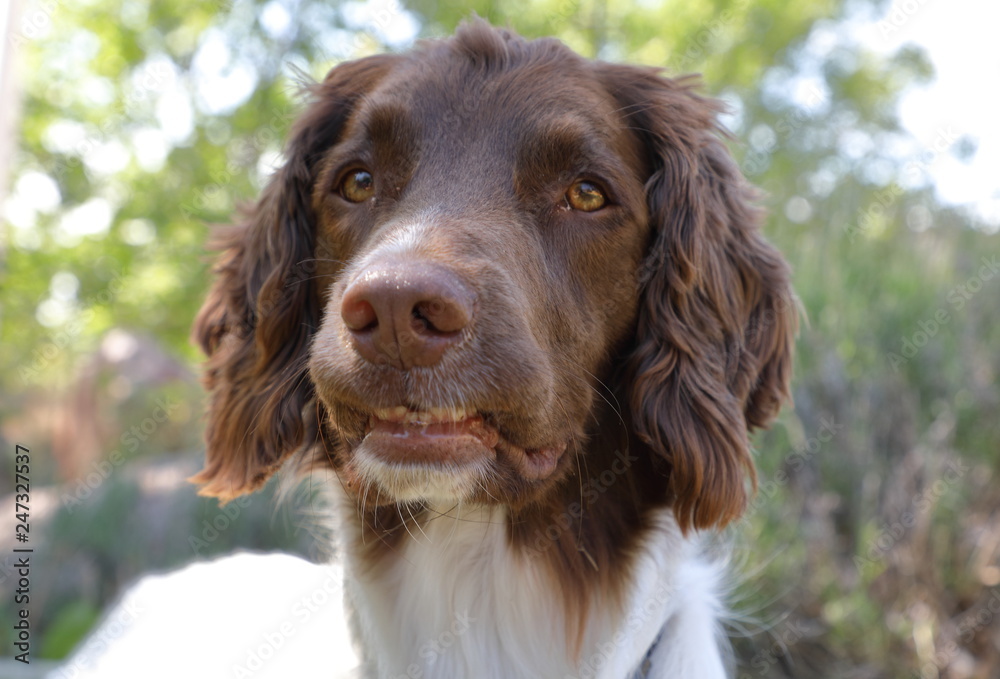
<point x="873" y="554"/>
<point x="69" y="626"/>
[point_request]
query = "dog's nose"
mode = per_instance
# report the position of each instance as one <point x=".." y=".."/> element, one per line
<point x="406" y="314"/>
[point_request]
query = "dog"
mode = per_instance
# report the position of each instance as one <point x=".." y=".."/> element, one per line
<point x="515" y="308"/>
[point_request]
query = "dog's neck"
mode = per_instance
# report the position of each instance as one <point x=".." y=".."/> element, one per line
<point x="457" y="597"/>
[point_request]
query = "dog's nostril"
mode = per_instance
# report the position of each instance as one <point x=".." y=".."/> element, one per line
<point x="432" y="308"/>
<point x="420" y="321"/>
<point x="359" y="314"/>
<point x="442" y="316"/>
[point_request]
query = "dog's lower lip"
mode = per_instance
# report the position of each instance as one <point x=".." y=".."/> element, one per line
<point x="452" y="436"/>
<point x="537" y="463"/>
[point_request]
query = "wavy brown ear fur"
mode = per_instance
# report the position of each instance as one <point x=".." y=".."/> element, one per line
<point x="717" y="317"/>
<point x="258" y="321"/>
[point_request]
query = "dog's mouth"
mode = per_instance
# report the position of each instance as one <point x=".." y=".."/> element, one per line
<point x="438" y="436"/>
<point x="442" y="453"/>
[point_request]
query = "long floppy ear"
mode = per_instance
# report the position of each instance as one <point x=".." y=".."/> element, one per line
<point x="258" y="321"/>
<point x="717" y="317"/>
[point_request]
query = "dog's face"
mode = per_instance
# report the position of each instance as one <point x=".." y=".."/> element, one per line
<point x="486" y="245"/>
<point x="506" y="237"/>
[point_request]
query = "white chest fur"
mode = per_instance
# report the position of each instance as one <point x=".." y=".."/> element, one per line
<point x="458" y="603"/>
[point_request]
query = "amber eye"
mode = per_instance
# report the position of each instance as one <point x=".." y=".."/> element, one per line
<point x="357" y="186"/>
<point x="586" y="196"/>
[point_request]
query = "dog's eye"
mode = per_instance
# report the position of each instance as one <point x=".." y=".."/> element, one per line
<point x="586" y="196"/>
<point x="357" y="186"/>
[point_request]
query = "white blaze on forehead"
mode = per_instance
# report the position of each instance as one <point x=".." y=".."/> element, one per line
<point x="404" y="238"/>
<point x="407" y="238"/>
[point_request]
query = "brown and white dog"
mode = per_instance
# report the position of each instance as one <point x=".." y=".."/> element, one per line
<point x="518" y="302"/>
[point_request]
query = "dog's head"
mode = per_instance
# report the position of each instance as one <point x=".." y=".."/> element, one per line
<point x="476" y="256"/>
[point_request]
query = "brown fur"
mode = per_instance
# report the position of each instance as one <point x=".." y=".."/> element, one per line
<point x="659" y="329"/>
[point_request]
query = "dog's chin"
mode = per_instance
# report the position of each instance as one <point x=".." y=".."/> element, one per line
<point x="437" y="457"/>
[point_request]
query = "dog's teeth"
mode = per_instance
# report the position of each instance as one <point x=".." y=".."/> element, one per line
<point x="447" y="414"/>
<point x="432" y="415"/>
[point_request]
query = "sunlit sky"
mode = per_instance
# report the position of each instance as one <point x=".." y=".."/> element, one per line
<point x="960" y="37"/>
<point x="960" y="103"/>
